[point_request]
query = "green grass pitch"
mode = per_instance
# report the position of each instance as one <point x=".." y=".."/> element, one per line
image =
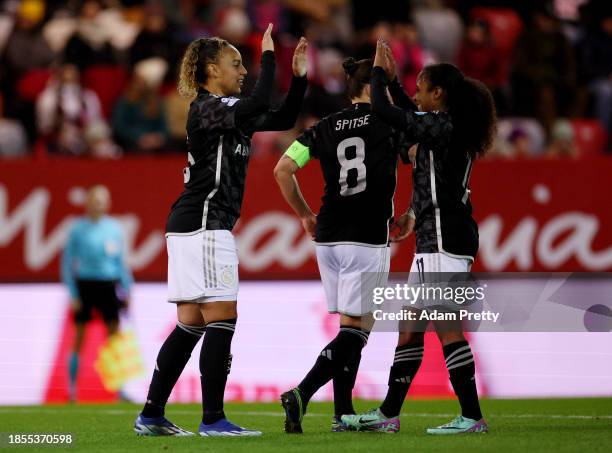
<point x="551" y="425"/>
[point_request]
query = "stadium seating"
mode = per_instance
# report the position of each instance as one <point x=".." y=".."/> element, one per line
<point x="33" y="83"/>
<point x="108" y="82"/>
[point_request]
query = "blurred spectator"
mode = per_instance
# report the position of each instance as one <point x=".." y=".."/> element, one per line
<point x="519" y="143"/>
<point x="366" y="13"/>
<point x="440" y="29"/>
<point x="519" y="137"/>
<point x="177" y="107"/>
<point x="544" y="70"/>
<point x="156" y="40"/>
<point x="139" y="119"/>
<point x="562" y="143"/>
<point x="26" y="50"/>
<point x="326" y="94"/>
<point x="90" y="44"/>
<point x="70" y="119"/>
<point x="480" y="59"/>
<point x="596" y="65"/>
<point x="26" y="47"/>
<point x="409" y="55"/>
<point x="13" y="139"/>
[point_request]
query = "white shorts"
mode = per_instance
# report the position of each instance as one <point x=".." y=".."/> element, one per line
<point x="341" y="267"/>
<point x="202" y="266"/>
<point x="435" y="269"/>
<point x="438" y="262"/>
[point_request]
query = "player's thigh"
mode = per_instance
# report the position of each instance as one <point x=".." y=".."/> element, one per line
<point x="329" y="267"/>
<point x="189" y="313"/>
<point x="436" y="269"/>
<point x="218" y="311"/>
<point x="362" y="269"/>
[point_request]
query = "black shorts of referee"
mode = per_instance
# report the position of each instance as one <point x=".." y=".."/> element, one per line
<point x="100" y="295"/>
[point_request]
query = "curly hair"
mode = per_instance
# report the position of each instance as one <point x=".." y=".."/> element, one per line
<point x="199" y="53"/>
<point x="470" y="106"/>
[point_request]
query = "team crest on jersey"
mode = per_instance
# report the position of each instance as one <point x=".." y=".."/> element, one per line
<point x="227" y="275"/>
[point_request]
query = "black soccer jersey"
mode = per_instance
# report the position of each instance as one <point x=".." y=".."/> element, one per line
<point x="440" y="196"/>
<point x="358" y="157"/>
<point x="219" y="131"/>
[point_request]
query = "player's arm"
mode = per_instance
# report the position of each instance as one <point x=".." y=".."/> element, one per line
<point x="396" y="90"/>
<point x="381" y="106"/>
<point x="404" y="224"/>
<point x="295" y="158"/>
<point x="259" y="99"/>
<point x="285" y="116"/>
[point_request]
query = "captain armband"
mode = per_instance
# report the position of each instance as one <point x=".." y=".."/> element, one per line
<point x="299" y="153"/>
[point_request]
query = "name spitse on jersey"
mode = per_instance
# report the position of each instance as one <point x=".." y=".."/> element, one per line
<point x="358" y="158"/>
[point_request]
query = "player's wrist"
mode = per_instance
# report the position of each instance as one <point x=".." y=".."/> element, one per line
<point x="410" y="213"/>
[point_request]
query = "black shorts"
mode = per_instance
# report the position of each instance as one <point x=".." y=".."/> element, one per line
<point x="98" y="294"/>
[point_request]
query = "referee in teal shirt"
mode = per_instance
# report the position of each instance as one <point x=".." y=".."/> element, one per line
<point x="93" y="267"/>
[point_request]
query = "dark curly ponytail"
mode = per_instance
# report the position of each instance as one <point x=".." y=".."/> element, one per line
<point x="469" y="104"/>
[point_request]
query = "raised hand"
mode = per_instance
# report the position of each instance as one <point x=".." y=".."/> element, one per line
<point x="300" y="58"/>
<point x="266" y="42"/>
<point x="389" y="67"/>
<point x="381" y="54"/>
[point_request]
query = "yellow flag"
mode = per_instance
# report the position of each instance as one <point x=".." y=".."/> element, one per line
<point x="119" y="360"/>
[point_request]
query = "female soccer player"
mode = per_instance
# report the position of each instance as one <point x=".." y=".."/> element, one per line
<point x="358" y="156"/>
<point x="456" y="124"/>
<point x="202" y="259"/>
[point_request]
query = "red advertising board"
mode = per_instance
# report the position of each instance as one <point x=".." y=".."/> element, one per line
<point x="534" y="215"/>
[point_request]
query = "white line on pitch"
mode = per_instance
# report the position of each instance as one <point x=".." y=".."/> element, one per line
<point x="34" y="410"/>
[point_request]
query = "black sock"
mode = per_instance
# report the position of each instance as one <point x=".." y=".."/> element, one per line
<point x="406" y="363"/>
<point x="460" y="366"/>
<point x="333" y="358"/>
<point x="344" y="382"/>
<point x="171" y="360"/>
<point x="215" y="363"/>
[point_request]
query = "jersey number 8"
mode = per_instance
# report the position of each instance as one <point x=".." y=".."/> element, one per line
<point x="355" y="163"/>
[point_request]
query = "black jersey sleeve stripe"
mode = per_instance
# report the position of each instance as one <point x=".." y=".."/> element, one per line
<point x="434" y="198"/>
<point x="217" y="181"/>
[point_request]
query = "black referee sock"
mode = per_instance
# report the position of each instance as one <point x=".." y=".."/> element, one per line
<point x="215" y="364"/>
<point x="344" y="382"/>
<point x="406" y="363"/>
<point x="460" y="366"/>
<point x="333" y="358"/>
<point x="171" y="360"/>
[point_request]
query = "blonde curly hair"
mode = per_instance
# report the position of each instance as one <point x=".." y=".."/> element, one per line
<point x="199" y="53"/>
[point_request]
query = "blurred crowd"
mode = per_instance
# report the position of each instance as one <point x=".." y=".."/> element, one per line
<point x="98" y="77"/>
